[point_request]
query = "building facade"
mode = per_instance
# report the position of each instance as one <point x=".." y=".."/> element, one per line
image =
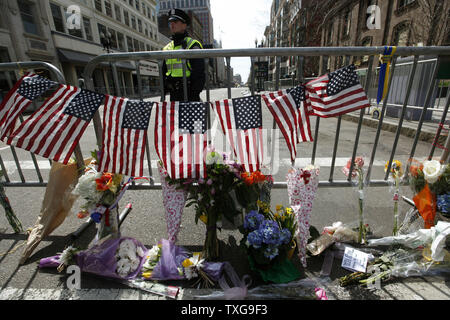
<point x="69" y="33"/>
<point x="201" y="8"/>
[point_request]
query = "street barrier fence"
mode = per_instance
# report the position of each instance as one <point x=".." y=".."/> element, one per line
<point x="439" y="53"/>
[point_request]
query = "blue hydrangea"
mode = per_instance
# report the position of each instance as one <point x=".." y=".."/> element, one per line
<point x="270" y="232"/>
<point x="285" y="236"/>
<point x="255" y="239"/>
<point x="253" y="220"/>
<point x="443" y="203"/>
<point x="271" y="252"/>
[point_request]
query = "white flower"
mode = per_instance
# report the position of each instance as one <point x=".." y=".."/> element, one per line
<point x="432" y="170"/>
<point x="213" y="158"/>
<point x="123" y="267"/>
<point x="192" y="265"/>
<point x="140" y="252"/>
<point x="153" y="253"/>
<point x="66" y="255"/>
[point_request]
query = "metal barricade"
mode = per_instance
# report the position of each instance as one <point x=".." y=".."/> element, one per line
<point x="252" y="54"/>
<point x="301" y="53"/>
<point x="56" y="76"/>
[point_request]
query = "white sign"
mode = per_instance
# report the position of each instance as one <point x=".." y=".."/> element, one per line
<point x="355" y="260"/>
<point x="148" y="68"/>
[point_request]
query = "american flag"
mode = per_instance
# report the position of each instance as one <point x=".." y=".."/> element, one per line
<point x="54" y="129"/>
<point x="336" y="93"/>
<point x="290" y="113"/>
<point x="125" y="124"/>
<point x="28" y="88"/>
<point x="180" y="138"/>
<point x="241" y="122"/>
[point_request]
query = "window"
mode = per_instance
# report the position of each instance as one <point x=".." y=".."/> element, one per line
<point x="136" y="45"/>
<point x="130" y="44"/>
<point x="87" y="28"/>
<point x="113" y="38"/>
<point x="118" y="13"/>
<point x="137" y="5"/>
<point x="108" y="8"/>
<point x="26" y="13"/>
<point x="404" y="3"/>
<point x="121" y="41"/>
<point x="133" y="22"/>
<point x="347" y="19"/>
<point x="126" y="17"/>
<point x="140" y="25"/>
<point x="101" y="31"/>
<point x="57" y="17"/>
<point x="366" y="42"/>
<point x="98" y="5"/>
<point x="401" y="34"/>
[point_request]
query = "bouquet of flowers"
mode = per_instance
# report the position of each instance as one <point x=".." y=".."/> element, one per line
<point x="166" y="261"/>
<point x="225" y="192"/>
<point x="120" y="258"/>
<point x="268" y="238"/>
<point x="395" y="173"/>
<point x="430" y="181"/>
<point x="358" y="171"/>
<point x="101" y="192"/>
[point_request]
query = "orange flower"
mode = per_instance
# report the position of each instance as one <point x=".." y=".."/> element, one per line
<point x="104" y="182"/>
<point x="248" y="178"/>
<point x="258" y="176"/>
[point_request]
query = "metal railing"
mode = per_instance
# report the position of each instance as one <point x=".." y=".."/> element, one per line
<point x="323" y="52"/>
<point x="57" y="76"/>
<point x="278" y="53"/>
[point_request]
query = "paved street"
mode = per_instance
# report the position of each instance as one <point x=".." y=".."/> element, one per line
<point x="147" y="224"/>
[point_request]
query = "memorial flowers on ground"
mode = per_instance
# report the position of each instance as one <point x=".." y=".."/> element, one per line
<point x="395" y="174"/>
<point x="100" y="192"/>
<point x="430" y="181"/>
<point x="358" y="171"/>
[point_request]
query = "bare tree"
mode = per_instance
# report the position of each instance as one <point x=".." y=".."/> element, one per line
<point x="433" y="27"/>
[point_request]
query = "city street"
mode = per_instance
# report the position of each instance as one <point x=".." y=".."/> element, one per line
<point x="147" y="224"/>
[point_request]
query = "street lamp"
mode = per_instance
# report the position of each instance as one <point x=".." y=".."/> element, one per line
<point x="106" y="41"/>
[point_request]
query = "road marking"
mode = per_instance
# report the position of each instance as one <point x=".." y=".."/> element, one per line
<point x="82" y="294"/>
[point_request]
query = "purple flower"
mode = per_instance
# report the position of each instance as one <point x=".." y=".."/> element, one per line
<point x="285" y="236"/>
<point x="209" y="182"/>
<point x="270" y="232"/>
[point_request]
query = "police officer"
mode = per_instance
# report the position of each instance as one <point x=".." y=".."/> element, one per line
<point x="173" y="68"/>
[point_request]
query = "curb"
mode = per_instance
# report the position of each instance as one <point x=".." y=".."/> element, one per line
<point x="425" y="135"/>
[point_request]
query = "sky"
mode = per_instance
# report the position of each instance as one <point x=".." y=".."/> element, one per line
<point x="238" y="23"/>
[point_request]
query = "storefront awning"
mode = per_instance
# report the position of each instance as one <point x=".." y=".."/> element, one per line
<point x="84" y="58"/>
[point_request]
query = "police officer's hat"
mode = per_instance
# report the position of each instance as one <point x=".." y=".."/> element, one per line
<point x="180" y="15"/>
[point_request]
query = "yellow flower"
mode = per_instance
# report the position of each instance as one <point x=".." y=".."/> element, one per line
<point x="396" y="168"/>
<point x="279" y="207"/>
<point x="277" y="216"/>
<point x="289" y="211"/>
<point x="187" y="263"/>
<point x="147" y="274"/>
<point x="204" y="218"/>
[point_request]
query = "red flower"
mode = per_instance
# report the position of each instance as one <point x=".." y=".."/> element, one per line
<point x="104" y="182"/>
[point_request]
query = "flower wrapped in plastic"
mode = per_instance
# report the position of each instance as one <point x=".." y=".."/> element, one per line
<point x="429" y="181"/>
<point x="395" y="174"/>
<point x="167" y="261"/>
<point x="358" y="171"/>
<point x="101" y="192"/>
<point x="302" y="188"/>
<point x="119" y="258"/>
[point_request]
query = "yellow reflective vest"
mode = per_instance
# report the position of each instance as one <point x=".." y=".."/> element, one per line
<point x="175" y="66"/>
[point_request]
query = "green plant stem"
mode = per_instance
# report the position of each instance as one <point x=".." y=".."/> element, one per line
<point x="362" y="234"/>
<point x="395" y="230"/>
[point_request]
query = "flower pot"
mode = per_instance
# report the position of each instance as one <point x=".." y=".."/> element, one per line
<point x="292" y="249"/>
